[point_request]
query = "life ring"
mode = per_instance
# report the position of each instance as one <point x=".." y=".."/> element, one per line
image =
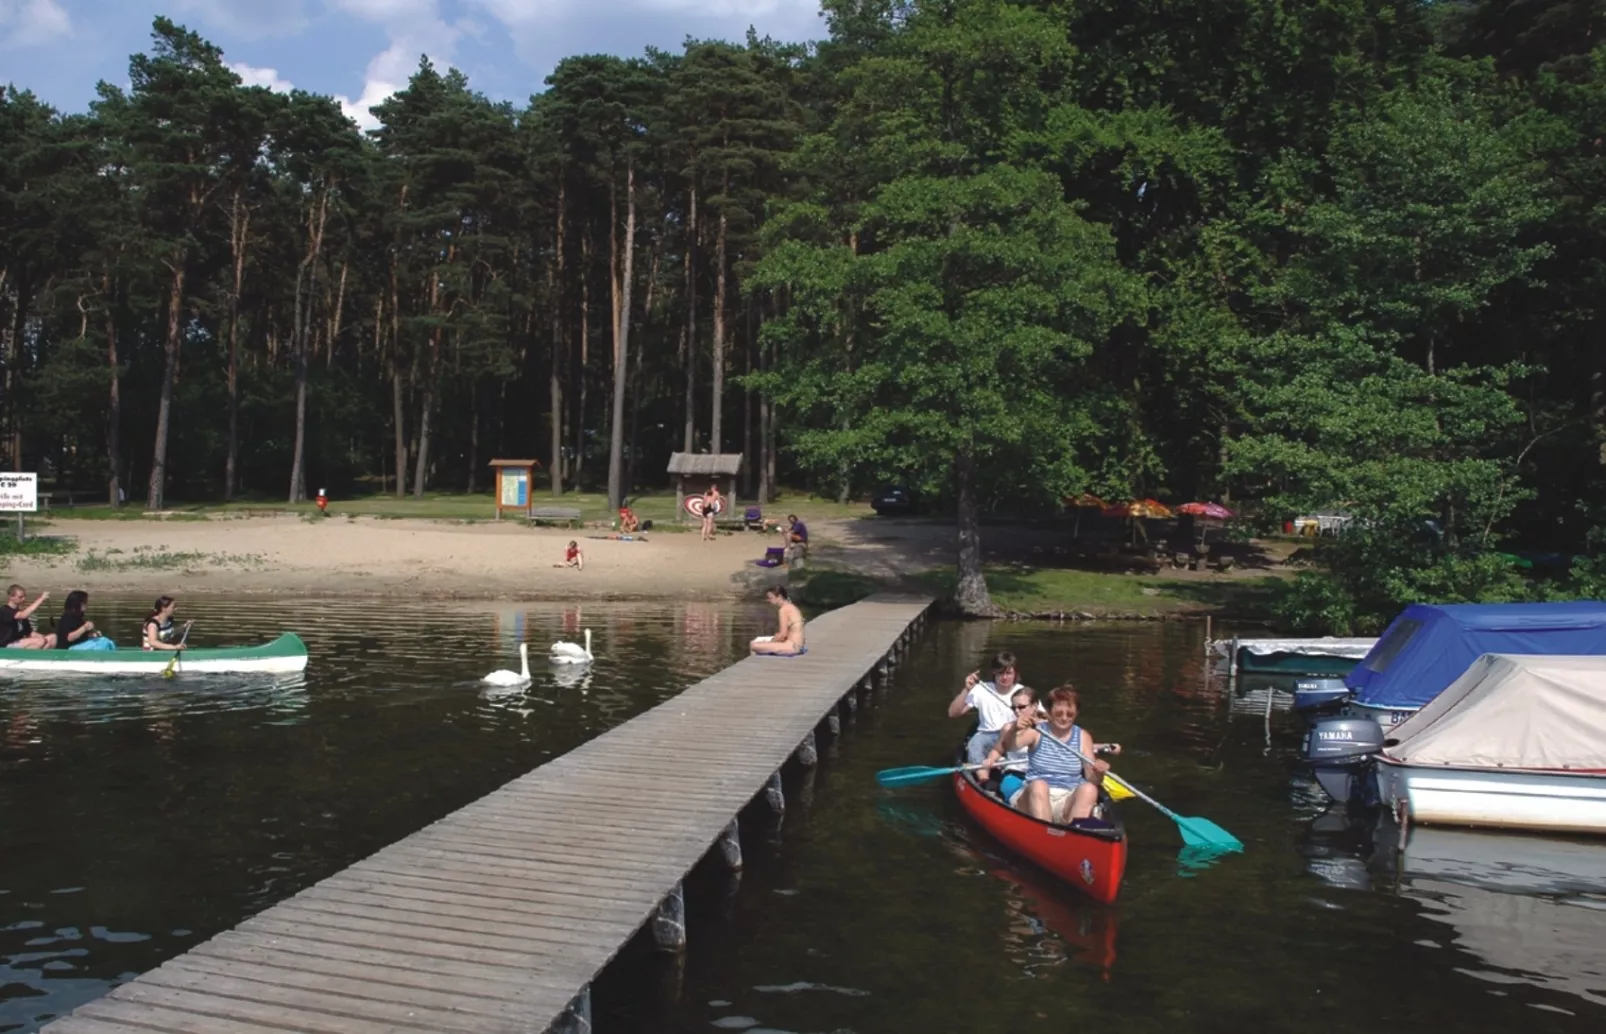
<point x="694" y="505"/>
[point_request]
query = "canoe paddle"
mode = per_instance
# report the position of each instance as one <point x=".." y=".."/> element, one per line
<point x="1196" y="832"/>
<point x="922" y="773"/>
<point x="167" y="672"/>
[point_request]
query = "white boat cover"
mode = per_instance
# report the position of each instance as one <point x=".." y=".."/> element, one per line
<point x="1513" y="711"/>
<point x="1329" y="646"/>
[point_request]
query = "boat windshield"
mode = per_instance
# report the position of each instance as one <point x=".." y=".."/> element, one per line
<point x="1392" y="643"/>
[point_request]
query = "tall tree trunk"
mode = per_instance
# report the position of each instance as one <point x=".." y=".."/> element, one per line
<point x="398" y="386"/>
<point x="156" y="494"/>
<point x="717" y="441"/>
<point x="689" y="441"/>
<point x="399" y="421"/>
<point x="766" y="417"/>
<point x="426" y="403"/>
<point x="585" y="348"/>
<point x="473" y="435"/>
<point x="555" y="292"/>
<point x="971" y="598"/>
<point x="636" y="377"/>
<point x="239" y="234"/>
<point x="749" y="468"/>
<point x="621" y="355"/>
<point x="844" y="472"/>
<point x="317" y="220"/>
<point x="16" y="330"/>
<point x="114" y="409"/>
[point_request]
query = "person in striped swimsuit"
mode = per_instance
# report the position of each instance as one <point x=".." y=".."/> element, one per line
<point x="1062" y="777"/>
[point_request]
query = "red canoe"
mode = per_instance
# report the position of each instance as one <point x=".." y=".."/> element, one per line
<point x="1092" y="859"/>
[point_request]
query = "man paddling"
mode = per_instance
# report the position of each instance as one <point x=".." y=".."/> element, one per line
<point x="991" y="702"/>
<point x="16" y="631"/>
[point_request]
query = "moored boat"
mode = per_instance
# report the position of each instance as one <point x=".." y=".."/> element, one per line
<point x="1090" y="857"/>
<point x="1517" y="742"/>
<point x="284" y="655"/>
<point x="1327" y="655"/>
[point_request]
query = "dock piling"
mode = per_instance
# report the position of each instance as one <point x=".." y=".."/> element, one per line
<point x="773" y="795"/>
<point x="576" y="1017"/>
<point x="808" y="754"/>
<point x="669" y="922"/>
<point x="730" y="846"/>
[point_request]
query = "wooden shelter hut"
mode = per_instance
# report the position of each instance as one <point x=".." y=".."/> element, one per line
<point x="694" y="471"/>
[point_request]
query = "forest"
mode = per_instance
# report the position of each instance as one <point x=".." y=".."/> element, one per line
<point x="1347" y="254"/>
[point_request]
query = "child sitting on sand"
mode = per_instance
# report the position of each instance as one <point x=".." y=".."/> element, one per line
<point x="572" y="557"/>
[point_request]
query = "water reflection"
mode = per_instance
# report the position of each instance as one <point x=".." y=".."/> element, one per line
<point x="143" y="815"/>
<point x="1530" y="910"/>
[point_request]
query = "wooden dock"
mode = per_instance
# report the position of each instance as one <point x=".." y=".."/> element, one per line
<point x="498" y="917"/>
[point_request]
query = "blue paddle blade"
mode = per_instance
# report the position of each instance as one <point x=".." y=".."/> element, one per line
<point x="912" y="774"/>
<point x="1198" y="832"/>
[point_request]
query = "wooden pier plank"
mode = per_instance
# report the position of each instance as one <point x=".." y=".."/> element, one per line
<point x="495" y="917"/>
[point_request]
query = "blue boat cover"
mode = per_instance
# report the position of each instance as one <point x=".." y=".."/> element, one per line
<point x="1429" y="645"/>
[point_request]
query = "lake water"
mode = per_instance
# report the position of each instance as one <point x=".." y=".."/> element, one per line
<point x="143" y="816"/>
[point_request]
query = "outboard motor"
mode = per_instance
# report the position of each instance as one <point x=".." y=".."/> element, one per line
<point x="1340" y="751"/>
<point x="1313" y="695"/>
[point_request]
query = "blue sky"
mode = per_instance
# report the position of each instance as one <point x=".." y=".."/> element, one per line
<point x="361" y="50"/>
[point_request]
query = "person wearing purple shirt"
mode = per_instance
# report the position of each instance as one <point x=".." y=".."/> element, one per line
<point x="799" y="531"/>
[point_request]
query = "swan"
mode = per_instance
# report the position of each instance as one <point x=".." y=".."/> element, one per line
<point x="569" y="653"/>
<point x="512" y="678"/>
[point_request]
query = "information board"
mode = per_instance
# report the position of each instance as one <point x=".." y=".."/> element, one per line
<point x="19" y="493"/>
<point x="515" y="488"/>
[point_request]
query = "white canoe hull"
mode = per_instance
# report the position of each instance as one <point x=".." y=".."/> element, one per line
<point x="1558" y="802"/>
<point x="285" y="655"/>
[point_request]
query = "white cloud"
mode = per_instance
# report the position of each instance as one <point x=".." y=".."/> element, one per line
<point x="268" y="77"/>
<point x="247" y="19"/>
<point x="28" y="23"/>
<point x="415" y="28"/>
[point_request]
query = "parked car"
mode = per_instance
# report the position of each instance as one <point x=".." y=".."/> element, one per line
<point x="892" y="500"/>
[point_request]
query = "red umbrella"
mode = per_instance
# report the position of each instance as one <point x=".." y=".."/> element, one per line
<point x="1215" y="511"/>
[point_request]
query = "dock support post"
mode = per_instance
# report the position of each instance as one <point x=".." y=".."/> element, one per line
<point x="576" y="1018"/>
<point x="730" y="846"/>
<point x="808" y="753"/>
<point x="669" y="922"/>
<point x="833" y="721"/>
<point x="851" y="702"/>
<point x="773" y="794"/>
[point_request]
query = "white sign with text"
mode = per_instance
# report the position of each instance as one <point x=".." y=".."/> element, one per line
<point x="19" y="493"/>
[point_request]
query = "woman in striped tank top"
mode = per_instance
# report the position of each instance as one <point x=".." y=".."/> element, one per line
<point x="1060" y="785"/>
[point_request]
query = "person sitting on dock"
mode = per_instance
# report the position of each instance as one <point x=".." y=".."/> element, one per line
<point x="788" y="638"/>
<point x="16" y="631"/>
<point x="1062" y="777"/>
<point x="572" y="557"/>
<point x="991" y="702"/>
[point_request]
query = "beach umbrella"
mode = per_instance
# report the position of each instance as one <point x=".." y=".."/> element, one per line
<point x="1214" y="511"/>
<point x="1085" y="501"/>
<point x="1146" y="508"/>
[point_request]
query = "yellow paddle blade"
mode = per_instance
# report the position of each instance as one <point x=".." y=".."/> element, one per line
<point x="1116" y="789"/>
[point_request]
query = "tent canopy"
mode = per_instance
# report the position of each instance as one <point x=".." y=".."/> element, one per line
<point x="1513" y="711"/>
<point x="1429" y="645"/>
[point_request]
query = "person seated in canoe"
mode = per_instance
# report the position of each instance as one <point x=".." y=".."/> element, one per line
<point x="999" y="761"/>
<point x="991" y="701"/>
<point x="74" y="630"/>
<point x="572" y="557"/>
<point x="158" y="632"/>
<point x="16" y="630"/>
<point x="788" y="638"/>
<point x="1062" y="776"/>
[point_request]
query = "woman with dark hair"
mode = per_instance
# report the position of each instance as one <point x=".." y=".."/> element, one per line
<point x="74" y="631"/>
<point x="1062" y="777"/>
<point x="158" y="633"/>
<point x="788" y="638"/>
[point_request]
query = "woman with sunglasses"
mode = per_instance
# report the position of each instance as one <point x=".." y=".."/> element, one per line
<point x="1062" y="776"/>
<point x="991" y="702"/>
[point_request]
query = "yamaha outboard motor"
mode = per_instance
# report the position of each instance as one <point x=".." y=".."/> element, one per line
<point x="1340" y="751"/>
<point x="1313" y="695"/>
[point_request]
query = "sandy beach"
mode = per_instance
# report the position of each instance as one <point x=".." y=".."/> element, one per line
<point x="366" y="556"/>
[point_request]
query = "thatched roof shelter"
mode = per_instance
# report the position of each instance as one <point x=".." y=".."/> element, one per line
<point x="700" y="464"/>
<point x="695" y="470"/>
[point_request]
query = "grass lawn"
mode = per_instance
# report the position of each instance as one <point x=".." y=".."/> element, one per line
<point x="658" y="507"/>
<point x="1046" y="590"/>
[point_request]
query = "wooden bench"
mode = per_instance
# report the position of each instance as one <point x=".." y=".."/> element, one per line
<point x="569" y="516"/>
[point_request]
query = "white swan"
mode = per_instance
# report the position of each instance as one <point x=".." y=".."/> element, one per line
<point x="569" y="653"/>
<point x="512" y="678"/>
